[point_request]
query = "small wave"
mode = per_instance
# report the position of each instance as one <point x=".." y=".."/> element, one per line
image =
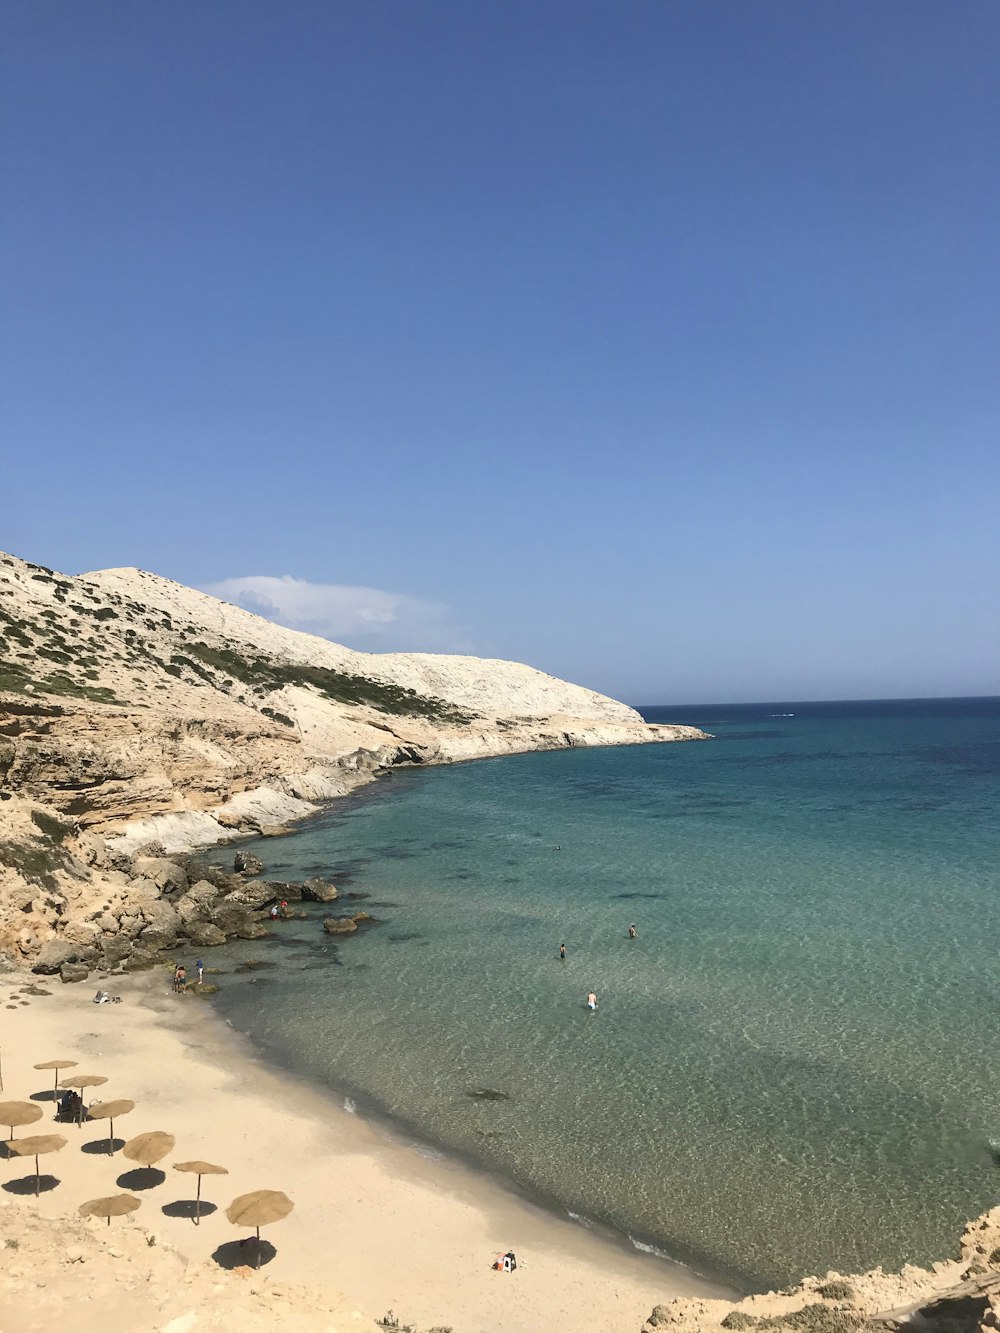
<point x="781" y="714"/>
<point x="579" y="1217"/>
<point x="350" y="1106"/>
<point x="647" y="1249"/>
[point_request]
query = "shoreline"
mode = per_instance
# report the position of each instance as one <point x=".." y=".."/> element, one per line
<point x="411" y="1138"/>
<point x="275" y="811"/>
<point x="396" y="1229"/>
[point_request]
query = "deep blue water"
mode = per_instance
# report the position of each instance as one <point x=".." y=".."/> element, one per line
<point x="792" y="1068"/>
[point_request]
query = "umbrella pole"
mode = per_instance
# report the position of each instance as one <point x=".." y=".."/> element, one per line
<point x="257" y="1264"/>
<point x="197" y="1203"/>
<point x="38" y="1181"/>
<point x="111" y="1145"/>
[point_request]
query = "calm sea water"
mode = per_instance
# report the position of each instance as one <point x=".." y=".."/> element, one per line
<point x="793" y="1067"/>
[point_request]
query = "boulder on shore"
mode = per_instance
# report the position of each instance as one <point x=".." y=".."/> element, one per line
<point x="204" y="934"/>
<point x="54" y="954"/>
<point x="246" y="863"/>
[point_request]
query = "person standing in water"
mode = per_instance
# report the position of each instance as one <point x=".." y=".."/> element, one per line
<point x="632" y="932"/>
<point x="562" y="952"/>
<point x="591" y="1001"/>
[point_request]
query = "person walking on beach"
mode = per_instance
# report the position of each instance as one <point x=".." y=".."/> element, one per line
<point x="591" y="1001"/>
<point x="562" y="952"/>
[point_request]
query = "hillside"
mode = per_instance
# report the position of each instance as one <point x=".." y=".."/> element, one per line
<point x="135" y="710"/>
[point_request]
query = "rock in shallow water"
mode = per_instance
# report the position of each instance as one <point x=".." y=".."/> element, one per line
<point x="319" y="891"/>
<point x="339" y="925"/>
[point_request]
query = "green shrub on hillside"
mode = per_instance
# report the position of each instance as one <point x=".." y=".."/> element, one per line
<point x="339" y="686"/>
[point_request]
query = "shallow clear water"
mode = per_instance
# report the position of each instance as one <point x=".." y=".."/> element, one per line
<point x="794" y="1065"/>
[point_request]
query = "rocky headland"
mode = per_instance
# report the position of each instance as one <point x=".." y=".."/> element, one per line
<point x="140" y="719"/>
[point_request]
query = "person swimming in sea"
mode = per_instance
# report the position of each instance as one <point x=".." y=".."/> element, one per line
<point x="591" y="1001"/>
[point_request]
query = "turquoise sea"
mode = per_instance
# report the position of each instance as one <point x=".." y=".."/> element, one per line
<point x="793" y="1067"/>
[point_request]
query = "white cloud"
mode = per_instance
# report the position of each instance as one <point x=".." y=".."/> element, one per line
<point x="363" y="618"/>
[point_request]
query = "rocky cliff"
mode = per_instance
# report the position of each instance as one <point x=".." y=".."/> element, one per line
<point x="134" y="710"/>
<point x="956" y="1295"/>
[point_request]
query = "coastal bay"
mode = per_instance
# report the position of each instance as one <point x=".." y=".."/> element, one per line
<point x="376" y="1225"/>
<point x="771" y="1085"/>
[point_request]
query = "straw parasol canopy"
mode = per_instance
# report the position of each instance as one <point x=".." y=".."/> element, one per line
<point x="57" y="1065"/>
<point x="258" y="1209"/>
<point x="110" y="1111"/>
<point x="202" y="1169"/>
<point x="115" y="1205"/>
<point x="80" y="1082"/>
<point x="18" y="1113"/>
<point x="36" y="1147"/>
<point x="147" y="1149"/>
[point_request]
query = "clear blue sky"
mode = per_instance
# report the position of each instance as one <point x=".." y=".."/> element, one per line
<point x="655" y="344"/>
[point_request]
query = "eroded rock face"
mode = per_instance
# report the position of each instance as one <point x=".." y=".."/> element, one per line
<point x="115" y="949"/>
<point x="168" y="876"/>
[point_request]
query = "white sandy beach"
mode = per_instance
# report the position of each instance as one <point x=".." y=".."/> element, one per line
<point x="376" y="1225"/>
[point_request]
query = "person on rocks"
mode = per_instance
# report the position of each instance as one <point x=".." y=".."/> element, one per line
<point x="180" y="978"/>
<point x="200" y="969"/>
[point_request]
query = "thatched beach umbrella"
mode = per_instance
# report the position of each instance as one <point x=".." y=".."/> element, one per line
<point x="35" y="1147"/>
<point x="110" y="1111"/>
<point x="18" y="1113"/>
<point x="115" y="1205"/>
<point x="79" y="1082"/>
<point x="57" y="1065"/>
<point x="148" y="1149"/>
<point x="202" y="1169"/>
<point x="258" y="1209"/>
